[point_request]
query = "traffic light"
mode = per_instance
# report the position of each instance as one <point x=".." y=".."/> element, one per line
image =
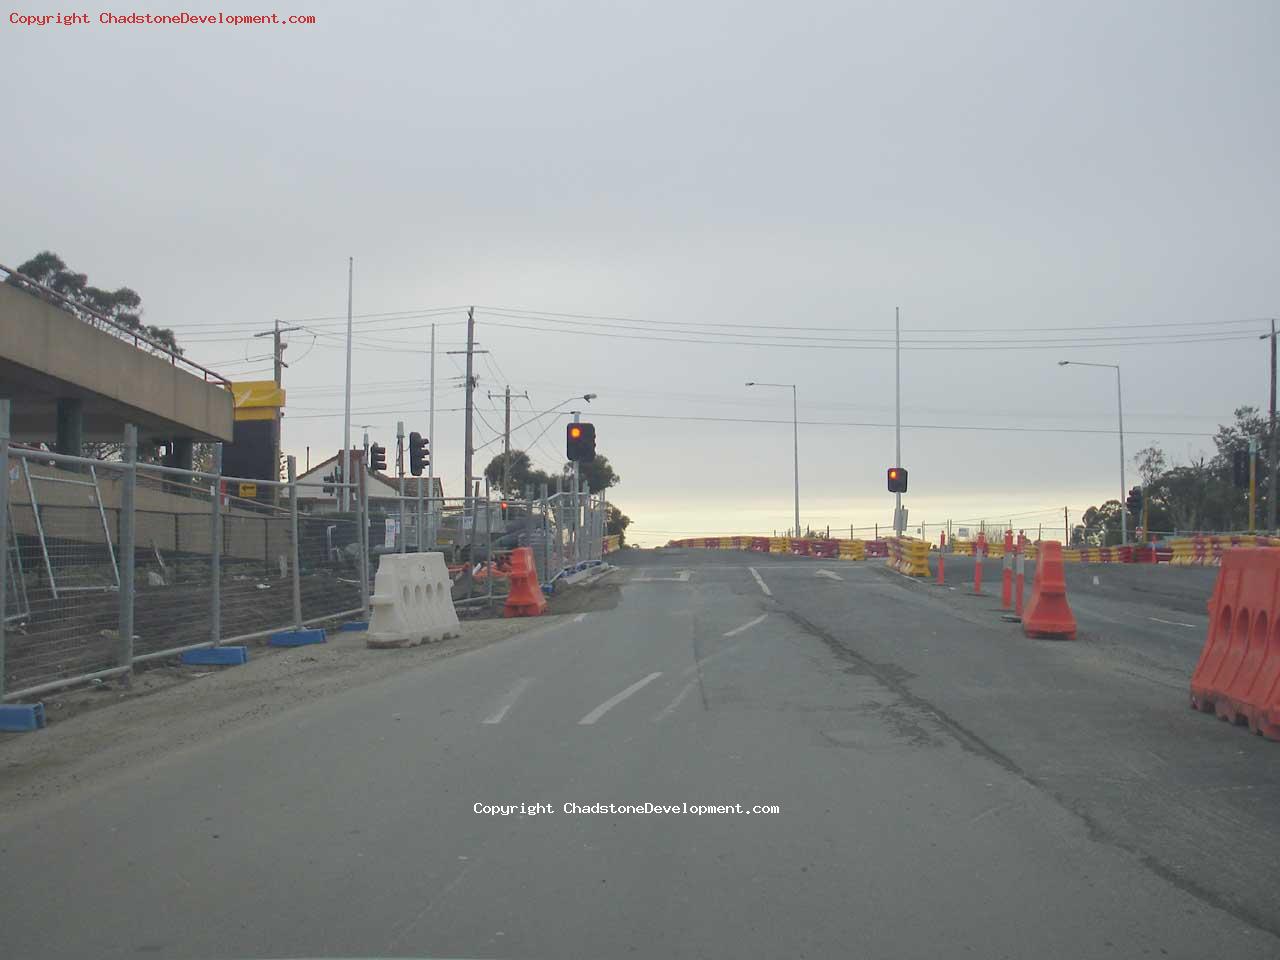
<point x="1240" y="467"/>
<point x="419" y="453"/>
<point x="897" y="479"/>
<point x="580" y="442"/>
<point x="377" y="457"/>
<point x="1134" y="502"/>
<point x="334" y="476"/>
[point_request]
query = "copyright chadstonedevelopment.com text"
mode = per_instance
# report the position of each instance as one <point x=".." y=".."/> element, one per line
<point x="646" y="809"/>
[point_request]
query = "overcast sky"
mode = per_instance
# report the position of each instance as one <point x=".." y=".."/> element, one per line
<point x="1002" y="172"/>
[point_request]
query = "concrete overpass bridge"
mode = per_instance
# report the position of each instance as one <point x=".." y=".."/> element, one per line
<point x="73" y="381"/>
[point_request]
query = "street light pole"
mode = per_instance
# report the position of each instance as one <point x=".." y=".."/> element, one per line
<point x="1124" y="520"/>
<point x="795" y="439"/>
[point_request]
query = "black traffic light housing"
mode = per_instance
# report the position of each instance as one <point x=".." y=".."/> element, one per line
<point x="377" y="457"/>
<point x="419" y="453"/>
<point x="897" y="478"/>
<point x="1240" y="467"/>
<point x="1134" y="502"/>
<point x="580" y="442"/>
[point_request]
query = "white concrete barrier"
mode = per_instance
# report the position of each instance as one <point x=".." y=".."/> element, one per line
<point x="411" y="602"/>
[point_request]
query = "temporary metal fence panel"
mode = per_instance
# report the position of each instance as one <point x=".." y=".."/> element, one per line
<point x="329" y="566"/>
<point x="62" y="561"/>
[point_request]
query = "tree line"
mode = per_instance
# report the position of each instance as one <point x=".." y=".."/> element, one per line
<point x="524" y="480"/>
<point x="1200" y="495"/>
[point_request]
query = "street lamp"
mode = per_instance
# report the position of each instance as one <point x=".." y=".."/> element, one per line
<point x="1124" y="523"/>
<point x="795" y="428"/>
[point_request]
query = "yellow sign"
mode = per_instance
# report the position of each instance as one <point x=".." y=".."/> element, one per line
<point x="248" y="491"/>
<point x="257" y="399"/>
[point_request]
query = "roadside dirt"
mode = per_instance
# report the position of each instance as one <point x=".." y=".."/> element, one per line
<point x="96" y="731"/>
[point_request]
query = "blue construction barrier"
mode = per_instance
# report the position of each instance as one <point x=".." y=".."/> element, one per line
<point x="21" y="717"/>
<point x="217" y="656"/>
<point x="296" y="638"/>
<point x="354" y="626"/>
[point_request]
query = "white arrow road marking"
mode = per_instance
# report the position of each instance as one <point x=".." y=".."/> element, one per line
<point x="616" y="699"/>
<point x="682" y="576"/>
<point x="746" y="626"/>
<point x="763" y="586"/>
<point x="509" y="701"/>
<point x="828" y="574"/>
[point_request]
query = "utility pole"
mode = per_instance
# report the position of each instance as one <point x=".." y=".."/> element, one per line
<point x="1271" y="442"/>
<point x="278" y="352"/>
<point x="467" y="450"/>
<point x="1066" y="529"/>
<point x="278" y="348"/>
<point x="506" y="437"/>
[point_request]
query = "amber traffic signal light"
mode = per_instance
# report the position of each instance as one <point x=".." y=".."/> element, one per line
<point x="580" y="442"/>
<point x="897" y="480"/>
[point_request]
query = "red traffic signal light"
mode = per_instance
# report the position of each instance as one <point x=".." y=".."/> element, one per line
<point x="897" y="480"/>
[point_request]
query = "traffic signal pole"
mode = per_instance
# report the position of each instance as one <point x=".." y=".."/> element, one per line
<point x="346" y="409"/>
<point x="404" y="540"/>
<point x="431" y="432"/>
<point x="897" y="418"/>
<point x="577" y="499"/>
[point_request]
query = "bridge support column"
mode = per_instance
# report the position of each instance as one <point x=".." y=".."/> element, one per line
<point x="70" y="439"/>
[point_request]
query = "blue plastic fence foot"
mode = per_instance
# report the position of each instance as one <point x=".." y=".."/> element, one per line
<point x="19" y="717"/>
<point x="217" y="656"/>
<point x="296" y="638"/>
<point x="353" y="626"/>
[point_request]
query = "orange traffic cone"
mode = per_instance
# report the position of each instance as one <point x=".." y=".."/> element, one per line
<point x="1048" y="614"/>
<point x="525" y="598"/>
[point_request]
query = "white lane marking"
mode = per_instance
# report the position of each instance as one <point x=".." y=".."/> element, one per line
<point x="828" y="574"/>
<point x="509" y="701"/>
<point x="1173" y="623"/>
<point x="579" y="618"/>
<point x="746" y="626"/>
<point x="763" y="586"/>
<point x="670" y="708"/>
<point x="616" y="699"/>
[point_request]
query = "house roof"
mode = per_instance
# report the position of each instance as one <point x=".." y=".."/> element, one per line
<point x="316" y="475"/>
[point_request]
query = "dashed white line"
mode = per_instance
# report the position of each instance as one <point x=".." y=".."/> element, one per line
<point x="828" y="574"/>
<point x="746" y="626"/>
<point x="616" y="699"/>
<point x="509" y="701"/>
<point x="670" y="708"/>
<point x="763" y="586"/>
<point x="1173" y="623"/>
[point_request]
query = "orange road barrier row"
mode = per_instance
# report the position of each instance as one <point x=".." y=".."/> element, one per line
<point x="1238" y="675"/>
<point x="1048" y="614"/>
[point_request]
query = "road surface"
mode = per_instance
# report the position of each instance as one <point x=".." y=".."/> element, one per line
<point x="943" y="787"/>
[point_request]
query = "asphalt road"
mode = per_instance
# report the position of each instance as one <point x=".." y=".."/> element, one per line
<point x="943" y="787"/>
